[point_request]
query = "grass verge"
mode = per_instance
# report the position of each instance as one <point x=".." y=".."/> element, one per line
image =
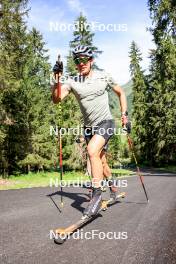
<point x="170" y="168"/>
<point x="43" y="179"/>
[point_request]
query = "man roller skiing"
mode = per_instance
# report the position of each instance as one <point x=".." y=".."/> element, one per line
<point x="91" y="90"/>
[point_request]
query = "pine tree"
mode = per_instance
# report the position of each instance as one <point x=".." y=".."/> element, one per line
<point x="25" y="98"/>
<point x="40" y="150"/>
<point x="82" y="36"/>
<point x="13" y="56"/>
<point x="139" y="113"/>
<point x="162" y="81"/>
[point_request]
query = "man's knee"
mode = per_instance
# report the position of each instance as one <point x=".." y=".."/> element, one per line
<point x="93" y="152"/>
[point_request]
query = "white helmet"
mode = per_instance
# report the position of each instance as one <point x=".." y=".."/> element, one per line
<point x="82" y="50"/>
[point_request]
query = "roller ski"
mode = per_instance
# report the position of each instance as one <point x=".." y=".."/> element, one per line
<point x="95" y="206"/>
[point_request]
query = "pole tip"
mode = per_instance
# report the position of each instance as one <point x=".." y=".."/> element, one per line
<point x="62" y="204"/>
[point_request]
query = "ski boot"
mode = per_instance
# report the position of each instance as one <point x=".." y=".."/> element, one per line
<point x="94" y="204"/>
<point x="113" y="189"/>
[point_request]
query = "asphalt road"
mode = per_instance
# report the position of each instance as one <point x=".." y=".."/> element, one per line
<point x="145" y="233"/>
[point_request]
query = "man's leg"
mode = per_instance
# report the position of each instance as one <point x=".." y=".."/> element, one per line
<point x="108" y="175"/>
<point x="106" y="169"/>
<point x="94" y="149"/>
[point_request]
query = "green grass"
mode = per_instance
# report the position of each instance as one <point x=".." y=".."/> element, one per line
<point x="122" y="172"/>
<point x="42" y="179"/>
<point x="168" y="168"/>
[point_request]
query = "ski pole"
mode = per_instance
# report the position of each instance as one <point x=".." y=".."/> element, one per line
<point x="131" y="147"/>
<point x="60" y="138"/>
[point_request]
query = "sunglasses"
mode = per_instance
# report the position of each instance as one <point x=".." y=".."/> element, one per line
<point x="83" y="60"/>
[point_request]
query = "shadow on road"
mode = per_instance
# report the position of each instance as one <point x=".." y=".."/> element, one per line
<point x="77" y="198"/>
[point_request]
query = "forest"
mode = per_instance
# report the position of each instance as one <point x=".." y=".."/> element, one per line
<point x="27" y="111"/>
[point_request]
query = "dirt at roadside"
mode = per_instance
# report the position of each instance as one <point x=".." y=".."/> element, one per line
<point x="5" y="182"/>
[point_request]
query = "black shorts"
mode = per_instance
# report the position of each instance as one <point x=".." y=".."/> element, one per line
<point x="106" y="129"/>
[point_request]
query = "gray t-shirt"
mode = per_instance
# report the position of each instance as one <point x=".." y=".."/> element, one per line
<point x="92" y="96"/>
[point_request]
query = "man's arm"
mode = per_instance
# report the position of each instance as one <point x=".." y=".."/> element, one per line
<point x="122" y="98"/>
<point x="55" y="92"/>
<point x="123" y="104"/>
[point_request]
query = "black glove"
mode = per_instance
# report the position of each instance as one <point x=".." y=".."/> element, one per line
<point x="128" y="127"/>
<point x="58" y="67"/>
<point x="80" y="140"/>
